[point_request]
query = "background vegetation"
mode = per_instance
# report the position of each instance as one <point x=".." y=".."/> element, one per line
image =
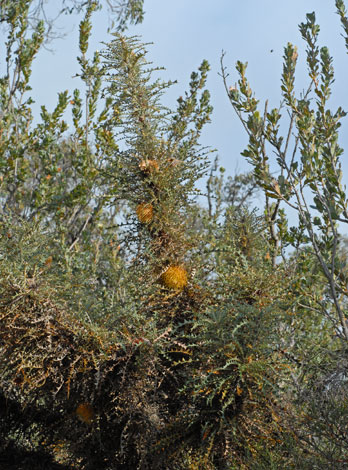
<point x="139" y="328"/>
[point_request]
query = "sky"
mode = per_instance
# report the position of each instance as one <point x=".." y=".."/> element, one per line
<point x="184" y="32"/>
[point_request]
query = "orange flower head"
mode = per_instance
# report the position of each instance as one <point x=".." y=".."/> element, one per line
<point x="85" y="412"/>
<point x="145" y="212"/>
<point x="175" y="277"/>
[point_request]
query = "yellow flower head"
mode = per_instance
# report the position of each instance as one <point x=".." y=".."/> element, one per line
<point x="85" y="412"/>
<point x="175" y="277"/>
<point x="145" y="212"/>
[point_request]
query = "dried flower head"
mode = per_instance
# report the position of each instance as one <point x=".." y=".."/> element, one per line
<point x="145" y="212"/>
<point x="85" y="412"/>
<point x="149" y="166"/>
<point x="174" y="277"/>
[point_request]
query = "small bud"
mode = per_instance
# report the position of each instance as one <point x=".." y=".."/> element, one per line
<point x="48" y="261"/>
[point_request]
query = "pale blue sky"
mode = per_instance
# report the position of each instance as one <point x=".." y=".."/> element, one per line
<point x="186" y="31"/>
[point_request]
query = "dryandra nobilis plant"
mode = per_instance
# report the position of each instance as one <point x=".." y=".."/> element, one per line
<point x="174" y="277"/>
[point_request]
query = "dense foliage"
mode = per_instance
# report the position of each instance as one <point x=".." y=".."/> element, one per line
<point x="139" y="328"/>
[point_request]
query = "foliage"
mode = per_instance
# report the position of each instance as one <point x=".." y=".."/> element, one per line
<point x="137" y="328"/>
<point x="310" y="182"/>
<point x="121" y="12"/>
